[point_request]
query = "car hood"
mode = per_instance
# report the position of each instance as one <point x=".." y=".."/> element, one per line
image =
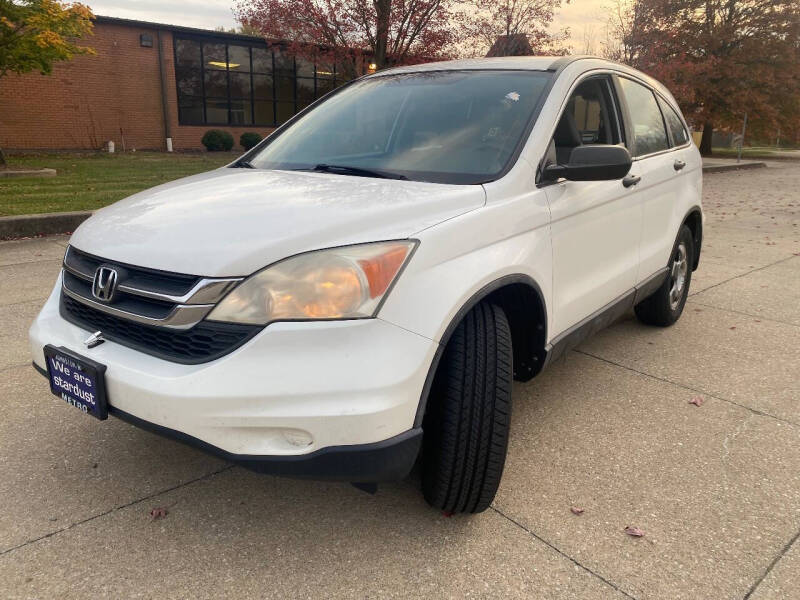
<point x="235" y="221"/>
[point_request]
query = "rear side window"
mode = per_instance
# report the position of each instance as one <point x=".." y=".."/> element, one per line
<point x="679" y="134"/>
<point x="649" y="133"/>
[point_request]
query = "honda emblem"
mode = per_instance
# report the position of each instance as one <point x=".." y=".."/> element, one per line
<point x="104" y="284"/>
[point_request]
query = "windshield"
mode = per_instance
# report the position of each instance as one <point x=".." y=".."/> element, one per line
<point x="442" y="126"/>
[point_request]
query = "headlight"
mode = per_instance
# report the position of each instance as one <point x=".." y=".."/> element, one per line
<point x="340" y="283"/>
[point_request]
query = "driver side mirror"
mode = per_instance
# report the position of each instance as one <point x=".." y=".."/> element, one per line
<point x="593" y="162"/>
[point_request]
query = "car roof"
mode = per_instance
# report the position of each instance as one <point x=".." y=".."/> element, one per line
<point x="529" y="63"/>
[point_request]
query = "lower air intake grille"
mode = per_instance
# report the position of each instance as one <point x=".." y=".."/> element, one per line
<point x="204" y="342"/>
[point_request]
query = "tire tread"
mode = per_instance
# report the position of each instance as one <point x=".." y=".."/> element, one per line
<point x="466" y="427"/>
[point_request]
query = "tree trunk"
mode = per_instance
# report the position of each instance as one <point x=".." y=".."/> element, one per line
<point x="382" y="14"/>
<point x="705" y="141"/>
<point x="2" y="159"/>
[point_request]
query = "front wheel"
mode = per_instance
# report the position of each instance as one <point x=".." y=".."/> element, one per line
<point x="665" y="306"/>
<point x="468" y="417"/>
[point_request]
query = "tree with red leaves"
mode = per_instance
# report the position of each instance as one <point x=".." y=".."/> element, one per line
<point x="721" y="59"/>
<point x="390" y="32"/>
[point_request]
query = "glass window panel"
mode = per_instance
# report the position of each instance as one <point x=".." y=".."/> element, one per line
<point x="241" y="112"/>
<point x="239" y="58"/>
<point x="283" y="61"/>
<point x="679" y="134"/>
<point x="439" y="135"/>
<point x="262" y="86"/>
<point x="325" y="70"/>
<point x="217" y="111"/>
<point x="648" y="127"/>
<point x="305" y="92"/>
<point x="284" y="88"/>
<point x="187" y="53"/>
<point x="262" y="60"/>
<point x="214" y="56"/>
<point x="305" y="68"/>
<point x="216" y="83"/>
<point x="240" y="85"/>
<point x="264" y="113"/>
<point x="345" y="71"/>
<point x="190" y="111"/>
<point x="189" y="81"/>
<point x="324" y="86"/>
<point x="285" y="111"/>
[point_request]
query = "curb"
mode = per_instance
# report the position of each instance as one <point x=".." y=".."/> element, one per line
<point x="44" y="224"/>
<point x="733" y="167"/>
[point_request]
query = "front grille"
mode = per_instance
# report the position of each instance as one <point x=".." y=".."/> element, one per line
<point x="175" y="284"/>
<point x="204" y="342"/>
<point x="156" y="312"/>
<point x="145" y="296"/>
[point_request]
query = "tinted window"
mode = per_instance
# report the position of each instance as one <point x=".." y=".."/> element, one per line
<point x="447" y="126"/>
<point x="679" y="134"/>
<point x="648" y="125"/>
<point x="235" y="84"/>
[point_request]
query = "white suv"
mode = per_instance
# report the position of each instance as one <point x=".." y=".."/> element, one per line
<point x="359" y="289"/>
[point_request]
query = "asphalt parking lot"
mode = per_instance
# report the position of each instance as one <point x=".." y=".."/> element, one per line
<point x="610" y="429"/>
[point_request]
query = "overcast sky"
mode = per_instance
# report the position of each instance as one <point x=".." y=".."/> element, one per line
<point x="209" y="14"/>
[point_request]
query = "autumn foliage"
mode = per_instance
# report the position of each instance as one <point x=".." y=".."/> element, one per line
<point x="390" y="32"/>
<point x="722" y="59"/>
<point x="36" y="33"/>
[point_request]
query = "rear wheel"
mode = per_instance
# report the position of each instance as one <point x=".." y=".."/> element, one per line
<point x="469" y="410"/>
<point x="665" y="306"/>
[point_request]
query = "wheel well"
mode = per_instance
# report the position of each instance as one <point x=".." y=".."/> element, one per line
<point x="526" y="317"/>
<point x="694" y="221"/>
<point x="522" y="302"/>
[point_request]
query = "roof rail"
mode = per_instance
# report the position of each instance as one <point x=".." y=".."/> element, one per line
<point x="564" y="61"/>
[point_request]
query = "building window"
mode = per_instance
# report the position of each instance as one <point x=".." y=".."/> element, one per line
<point x="222" y="83"/>
<point x="146" y="40"/>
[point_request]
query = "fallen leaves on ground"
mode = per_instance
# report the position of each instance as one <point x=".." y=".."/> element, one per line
<point x="697" y="401"/>
<point x="634" y="531"/>
<point x="158" y="512"/>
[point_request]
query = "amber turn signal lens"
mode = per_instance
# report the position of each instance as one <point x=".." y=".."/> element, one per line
<point x="381" y="270"/>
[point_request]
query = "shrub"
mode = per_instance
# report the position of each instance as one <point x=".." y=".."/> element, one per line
<point x="215" y="140"/>
<point x="249" y="139"/>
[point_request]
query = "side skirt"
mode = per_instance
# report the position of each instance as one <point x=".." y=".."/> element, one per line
<point x="569" y="339"/>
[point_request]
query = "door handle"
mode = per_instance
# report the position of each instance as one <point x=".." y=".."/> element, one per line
<point x="678" y="165"/>
<point x="631" y="180"/>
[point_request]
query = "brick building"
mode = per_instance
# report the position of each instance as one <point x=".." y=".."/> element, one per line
<point x="151" y="82"/>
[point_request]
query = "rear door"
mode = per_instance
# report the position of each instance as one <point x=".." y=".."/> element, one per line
<point x="653" y="162"/>
<point x="595" y="225"/>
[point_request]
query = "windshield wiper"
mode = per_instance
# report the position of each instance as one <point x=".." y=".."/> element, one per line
<point x="244" y="164"/>
<point x="357" y="171"/>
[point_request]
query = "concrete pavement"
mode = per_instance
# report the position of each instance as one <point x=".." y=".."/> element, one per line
<point x="716" y="488"/>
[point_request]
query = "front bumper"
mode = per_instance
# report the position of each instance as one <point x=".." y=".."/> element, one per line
<point x="329" y="400"/>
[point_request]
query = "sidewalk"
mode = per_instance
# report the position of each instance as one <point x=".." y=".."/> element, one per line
<point x="720" y="165"/>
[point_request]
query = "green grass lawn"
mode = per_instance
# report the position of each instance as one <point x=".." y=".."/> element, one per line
<point x="90" y="181"/>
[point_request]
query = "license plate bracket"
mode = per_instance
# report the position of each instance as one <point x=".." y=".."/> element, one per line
<point x="77" y="380"/>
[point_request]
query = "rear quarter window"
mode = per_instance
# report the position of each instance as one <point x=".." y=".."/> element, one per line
<point x="679" y="134"/>
<point x="649" y="133"/>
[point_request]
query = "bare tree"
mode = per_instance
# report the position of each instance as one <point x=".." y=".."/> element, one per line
<point x="484" y="21"/>
<point x="620" y="44"/>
